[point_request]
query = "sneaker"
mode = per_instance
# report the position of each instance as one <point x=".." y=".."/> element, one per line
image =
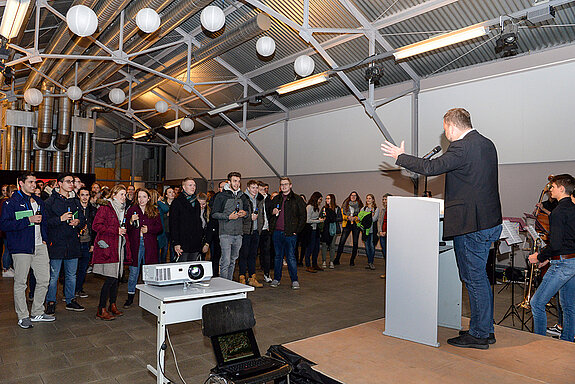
<point x="274" y="284"/>
<point x="284" y="262"/>
<point x="491" y="339"/>
<point x="324" y="265"/>
<point x="468" y="341"/>
<point x="43" y="317"/>
<point x="25" y="323"/>
<point x="331" y="266"/>
<point x="74" y="306"/>
<point x="555" y="330"/>
<point x="82" y="294"/>
<point x="50" y="308"/>
<point x="267" y="278"/>
<point x="8" y="272"/>
<point x="90" y="269"/>
<point x="295" y="285"/>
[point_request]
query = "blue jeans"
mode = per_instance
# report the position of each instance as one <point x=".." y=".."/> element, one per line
<point x="70" y="268"/>
<point x="249" y="253"/>
<point x="559" y="277"/>
<point x="83" y="263"/>
<point x="370" y="248"/>
<point x="231" y="245"/>
<point x="284" y="246"/>
<point x="135" y="271"/>
<point x="312" y="249"/>
<point x="471" y="252"/>
<point x="383" y="243"/>
<point x="6" y="256"/>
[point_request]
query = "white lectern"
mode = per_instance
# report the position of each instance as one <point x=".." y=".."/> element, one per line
<point x="423" y="289"/>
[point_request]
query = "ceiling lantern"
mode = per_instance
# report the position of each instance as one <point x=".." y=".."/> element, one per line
<point x="117" y="96"/>
<point x="161" y="106"/>
<point x="82" y="20"/>
<point x="187" y="124"/>
<point x="266" y="46"/>
<point x="304" y="65"/>
<point x="74" y="93"/>
<point x="212" y="18"/>
<point x="148" y="20"/>
<point x="33" y="96"/>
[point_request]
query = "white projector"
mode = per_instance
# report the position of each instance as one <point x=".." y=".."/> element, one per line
<point x="175" y="273"/>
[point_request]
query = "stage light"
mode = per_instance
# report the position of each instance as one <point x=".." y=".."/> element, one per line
<point x="304" y="65"/>
<point x="117" y="96"/>
<point x="441" y="41"/>
<point x="148" y="20"/>
<point x="506" y="44"/>
<point x="74" y="93"/>
<point x="212" y="18"/>
<point x="374" y="73"/>
<point x="187" y="124"/>
<point x="173" y="123"/>
<point x="33" y="96"/>
<point x="266" y="46"/>
<point x="223" y="108"/>
<point x="161" y="106"/>
<point x="13" y="17"/>
<point x="303" y="83"/>
<point x="82" y="20"/>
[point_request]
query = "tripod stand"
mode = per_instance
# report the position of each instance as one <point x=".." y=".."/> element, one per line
<point x="512" y="310"/>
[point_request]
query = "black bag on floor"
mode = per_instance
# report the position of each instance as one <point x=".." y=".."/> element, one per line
<point x="301" y="373"/>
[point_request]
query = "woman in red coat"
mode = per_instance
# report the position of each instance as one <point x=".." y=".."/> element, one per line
<point x="143" y="229"/>
<point x="109" y="248"/>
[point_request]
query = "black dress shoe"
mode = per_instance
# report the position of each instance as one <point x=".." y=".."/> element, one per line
<point x="490" y="339"/>
<point x="468" y="341"/>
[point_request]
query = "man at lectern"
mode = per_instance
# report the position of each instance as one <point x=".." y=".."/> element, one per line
<point x="472" y="213"/>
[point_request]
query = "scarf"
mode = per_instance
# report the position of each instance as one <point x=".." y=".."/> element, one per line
<point x="119" y="208"/>
<point x="191" y="198"/>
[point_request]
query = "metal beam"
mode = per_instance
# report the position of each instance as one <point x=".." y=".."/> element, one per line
<point x="167" y="141"/>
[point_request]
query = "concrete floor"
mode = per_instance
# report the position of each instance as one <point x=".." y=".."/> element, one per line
<point x="78" y="348"/>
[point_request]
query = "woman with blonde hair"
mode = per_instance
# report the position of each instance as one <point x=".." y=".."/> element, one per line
<point x="143" y="226"/>
<point x="371" y="232"/>
<point x="109" y="249"/>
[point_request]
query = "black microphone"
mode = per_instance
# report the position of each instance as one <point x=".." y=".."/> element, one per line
<point x="432" y="153"/>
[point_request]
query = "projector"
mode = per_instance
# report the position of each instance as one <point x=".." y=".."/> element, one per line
<point x="176" y="273"/>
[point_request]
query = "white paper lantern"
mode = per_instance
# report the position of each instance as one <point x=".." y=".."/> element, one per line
<point x="82" y="20"/>
<point x="161" y="106"/>
<point x="148" y="20"/>
<point x="33" y="96"/>
<point x="187" y="124"/>
<point x="74" y="93"/>
<point x="266" y="46"/>
<point x="304" y="65"/>
<point x="212" y="18"/>
<point x="117" y="96"/>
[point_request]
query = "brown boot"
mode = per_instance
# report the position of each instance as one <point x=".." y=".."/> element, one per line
<point x="114" y="310"/>
<point x="104" y="315"/>
<point x="254" y="282"/>
<point x="242" y="279"/>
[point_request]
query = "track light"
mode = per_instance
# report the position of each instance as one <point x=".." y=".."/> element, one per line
<point x="223" y="108"/>
<point x="13" y="17"/>
<point x="173" y="123"/>
<point x="139" y="135"/>
<point x="303" y="83"/>
<point x="506" y="44"/>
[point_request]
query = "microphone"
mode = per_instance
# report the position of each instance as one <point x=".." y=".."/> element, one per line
<point x="432" y="153"/>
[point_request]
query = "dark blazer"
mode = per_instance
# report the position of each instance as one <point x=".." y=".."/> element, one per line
<point x="471" y="183"/>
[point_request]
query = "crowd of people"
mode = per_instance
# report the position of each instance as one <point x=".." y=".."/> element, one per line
<point x="59" y="231"/>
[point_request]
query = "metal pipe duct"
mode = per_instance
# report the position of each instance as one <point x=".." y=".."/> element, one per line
<point x="40" y="160"/>
<point x="58" y="161"/>
<point x="64" y="122"/>
<point x="74" y="153"/>
<point x="45" y="112"/>
<point x="179" y="12"/>
<point x="216" y="47"/>
<point x="25" y="160"/>
<point x="57" y="44"/>
<point x="86" y="153"/>
<point x="111" y="37"/>
<point x="12" y="141"/>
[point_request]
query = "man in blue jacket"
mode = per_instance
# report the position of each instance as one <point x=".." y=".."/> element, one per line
<point x="65" y="218"/>
<point x="25" y="227"/>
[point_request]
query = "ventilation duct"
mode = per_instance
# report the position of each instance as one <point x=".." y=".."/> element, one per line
<point x="40" y="160"/>
<point x="45" y="112"/>
<point x="58" y="161"/>
<point x="75" y="152"/>
<point x="12" y="147"/>
<point x="64" y="122"/>
<point x="86" y="153"/>
<point x="25" y="158"/>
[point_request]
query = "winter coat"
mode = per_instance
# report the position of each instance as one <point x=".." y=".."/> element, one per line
<point x="150" y="238"/>
<point x="225" y="203"/>
<point x="185" y="224"/>
<point x="63" y="239"/>
<point x="295" y="215"/>
<point x="248" y="223"/>
<point x="20" y="235"/>
<point x="106" y="225"/>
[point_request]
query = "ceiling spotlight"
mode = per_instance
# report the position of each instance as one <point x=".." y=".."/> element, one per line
<point x="506" y="44"/>
<point x="373" y="73"/>
<point x="256" y="99"/>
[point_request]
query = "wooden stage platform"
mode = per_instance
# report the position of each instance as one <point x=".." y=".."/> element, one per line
<point x="363" y="355"/>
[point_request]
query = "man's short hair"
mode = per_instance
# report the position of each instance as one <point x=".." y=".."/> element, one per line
<point x="25" y="176"/>
<point x="223" y="181"/>
<point x="262" y="184"/>
<point x="252" y="182"/>
<point x="85" y="189"/>
<point x="565" y="180"/>
<point x="234" y="174"/>
<point x="62" y="176"/>
<point x="284" y="179"/>
<point x="458" y="117"/>
<point x="188" y="179"/>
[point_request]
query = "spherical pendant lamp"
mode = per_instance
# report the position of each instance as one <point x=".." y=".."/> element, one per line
<point x="161" y="106"/>
<point x="304" y="65"/>
<point x="212" y="18"/>
<point x="74" y="93"/>
<point x="33" y="96"/>
<point x="117" y="96"/>
<point x="148" y="20"/>
<point x="82" y="20"/>
<point x="187" y="124"/>
<point x="266" y="46"/>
